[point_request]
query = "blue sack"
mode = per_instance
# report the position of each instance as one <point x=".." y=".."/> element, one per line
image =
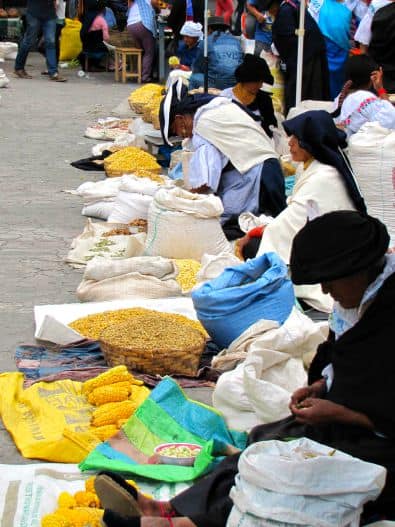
<point x="255" y="290"/>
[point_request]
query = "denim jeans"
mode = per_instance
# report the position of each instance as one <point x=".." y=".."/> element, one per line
<point x="30" y="38"/>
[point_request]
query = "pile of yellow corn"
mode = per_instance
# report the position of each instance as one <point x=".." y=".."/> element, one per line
<point x="140" y="97"/>
<point x="129" y="160"/>
<point x="117" y="394"/>
<point x="83" y="509"/>
<point x="92" y="326"/>
<point x="187" y="271"/>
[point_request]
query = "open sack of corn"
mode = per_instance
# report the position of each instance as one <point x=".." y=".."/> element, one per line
<point x="146" y="340"/>
<point x="133" y="160"/>
<point x="62" y="421"/>
<point x="167" y="415"/>
<point x="138" y="277"/>
<point x="140" y="97"/>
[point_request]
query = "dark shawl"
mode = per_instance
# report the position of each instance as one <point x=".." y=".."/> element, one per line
<point x="382" y="45"/>
<point x="317" y="133"/>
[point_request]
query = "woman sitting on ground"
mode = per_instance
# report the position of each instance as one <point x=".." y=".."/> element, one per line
<point x="325" y="184"/>
<point x="188" y="48"/>
<point x="348" y="404"/>
<point x="357" y="103"/>
<point x="230" y="154"/>
<point x="94" y="32"/>
<point x="250" y="76"/>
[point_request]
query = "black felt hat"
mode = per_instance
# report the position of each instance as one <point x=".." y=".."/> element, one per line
<point x="253" y="69"/>
<point x="336" y="245"/>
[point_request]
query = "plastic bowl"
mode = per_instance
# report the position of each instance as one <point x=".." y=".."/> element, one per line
<point x="185" y="460"/>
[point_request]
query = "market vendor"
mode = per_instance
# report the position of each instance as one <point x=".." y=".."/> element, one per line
<point x="182" y="63"/>
<point x="326" y="183"/>
<point x="252" y="73"/>
<point x="230" y="154"/>
<point x="348" y="404"/>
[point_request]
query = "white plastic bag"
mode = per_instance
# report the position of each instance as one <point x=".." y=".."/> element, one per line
<point x="91" y="243"/>
<point x="259" y="389"/>
<point x="182" y="224"/>
<point x="138" y="277"/>
<point x="371" y="153"/>
<point x="301" y="482"/>
<point x="214" y="265"/>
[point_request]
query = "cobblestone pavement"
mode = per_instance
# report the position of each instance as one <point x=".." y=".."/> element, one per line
<point x="41" y="131"/>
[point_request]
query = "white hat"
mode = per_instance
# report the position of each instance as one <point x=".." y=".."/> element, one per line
<point x="192" y="29"/>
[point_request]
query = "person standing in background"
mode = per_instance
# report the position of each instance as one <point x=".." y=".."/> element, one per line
<point x="40" y="14"/>
<point x="265" y="12"/>
<point x="225" y="9"/>
<point x="142" y="27"/>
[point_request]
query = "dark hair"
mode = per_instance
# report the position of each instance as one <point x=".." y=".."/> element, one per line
<point x="359" y="69"/>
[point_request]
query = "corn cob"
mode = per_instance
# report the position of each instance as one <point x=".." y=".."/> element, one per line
<point x="105" y="432"/>
<point x="112" y="376"/>
<point x="108" y="394"/>
<point x="121" y="422"/>
<point x="110" y="413"/>
<point x="86" y="499"/>
<point x="79" y="517"/>
<point x="66" y="501"/>
<point x="90" y="484"/>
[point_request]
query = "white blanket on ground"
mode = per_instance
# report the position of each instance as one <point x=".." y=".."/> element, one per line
<point x="234" y="133"/>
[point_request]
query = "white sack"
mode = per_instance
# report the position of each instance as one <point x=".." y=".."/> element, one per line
<point x="99" y="209"/>
<point x="139" y="277"/>
<point x="301" y="482"/>
<point x="139" y="185"/>
<point x="184" y="225"/>
<point x="214" y="265"/>
<point x="371" y="153"/>
<point x="91" y="243"/>
<point x="93" y="191"/>
<point x="4" y="80"/>
<point x="258" y="390"/>
<point x="9" y="50"/>
<point x="98" y="149"/>
<point x="128" y="207"/>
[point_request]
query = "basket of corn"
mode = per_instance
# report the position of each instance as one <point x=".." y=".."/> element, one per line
<point x="146" y="340"/>
<point x="130" y="160"/>
<point x="139" y="98"/>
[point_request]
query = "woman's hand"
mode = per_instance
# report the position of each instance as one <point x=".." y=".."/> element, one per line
<point x="377" y="79"/>
<point x="316" y="389"/>
<point x="321" y="411"/>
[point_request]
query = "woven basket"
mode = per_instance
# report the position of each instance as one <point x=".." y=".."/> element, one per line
<point x="147" y="118"/>
<point x="122" y="39"/>
<point x="137" y="107"/>
<point x="154" y="361"/>
<point x="155" y="120"/>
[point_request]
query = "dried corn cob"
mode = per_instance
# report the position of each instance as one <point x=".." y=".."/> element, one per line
<point x="86" y="499"/>
<point x="66" y="501"/>
<point x="110" y="413"/>
<point x="112" y="376"/>
<point x="92" y="327"/>
<point x="107" y="394"/>
<point x="79" y="517"/>
<point x="90" y="484"/>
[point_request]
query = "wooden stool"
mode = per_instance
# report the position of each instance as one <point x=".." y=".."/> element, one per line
<point x="125" y="56"/>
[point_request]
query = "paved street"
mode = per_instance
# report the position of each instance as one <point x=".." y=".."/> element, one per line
<point x="41" y="131"/>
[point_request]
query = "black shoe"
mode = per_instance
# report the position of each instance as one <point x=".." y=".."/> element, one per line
<point x="112" y="519"/>
<point x="116" y="494"/>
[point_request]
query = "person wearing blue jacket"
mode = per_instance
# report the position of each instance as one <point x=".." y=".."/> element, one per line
<point x="224" y="55"/>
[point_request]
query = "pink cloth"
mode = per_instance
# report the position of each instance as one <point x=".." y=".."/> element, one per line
<point x="100" y="23"/>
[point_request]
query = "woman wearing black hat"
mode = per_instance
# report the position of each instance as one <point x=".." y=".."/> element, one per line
<point x="348" y="404"/>
<point x="250" y="76"/>
<point x="230" y="154"/>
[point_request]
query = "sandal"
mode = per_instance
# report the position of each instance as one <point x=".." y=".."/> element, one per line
<point x="117" y="495"/>
<point x="22" y="74"/>
<point x="112" y="519"/>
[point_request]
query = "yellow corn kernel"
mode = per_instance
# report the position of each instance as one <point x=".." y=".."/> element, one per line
<point x="66" y="501"/>
<point x="112" y="376"/>
<point x="86" y="499"/>
<point x="130" y="159"/>
<point x="104" y="432"/>
<point x="81" y="516"/>
<point x="125" y="385"/>
<point x="55" y="520"/>
<point x="110" y="413"/>
<point x="187" y="271"/>
<point x="108" y="394"/>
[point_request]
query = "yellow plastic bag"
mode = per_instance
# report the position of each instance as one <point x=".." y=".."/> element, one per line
<point x="47" y="420"/>
<point x="70" y="41"/>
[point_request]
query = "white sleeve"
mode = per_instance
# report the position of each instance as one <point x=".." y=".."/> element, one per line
<point x="205" y="165"/>
<point x="364" y="31"/>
